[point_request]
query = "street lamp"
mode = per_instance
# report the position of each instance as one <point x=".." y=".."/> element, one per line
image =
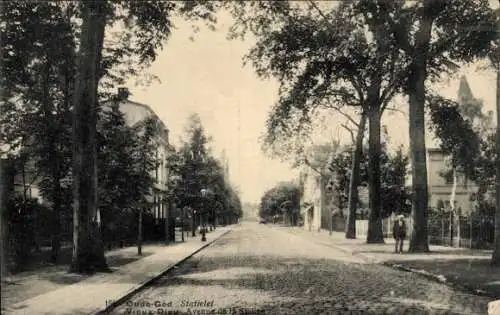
<point x="203" y="232"/>
<point x="193" y="227"/>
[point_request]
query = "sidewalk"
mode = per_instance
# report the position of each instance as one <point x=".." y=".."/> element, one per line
<point x="464" y="268"/>
<point x="90" y="294"/>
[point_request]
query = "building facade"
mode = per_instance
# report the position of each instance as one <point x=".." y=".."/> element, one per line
<point x="440" y="184"/>
<point x="312" y="203"/>
<point x="135" y="113"/>
<point x="440" y="178"/>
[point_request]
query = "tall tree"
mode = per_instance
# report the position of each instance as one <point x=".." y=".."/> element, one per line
<point x="192" y="168"/>
<point x="357" y="153"/>
<point x="197" y="154"/>
<point x="147" y="26"/>
<point x="37" y="96"/>
<point x="119" y="178"/>
<point x="54" y="148"/>
<point x="340" y="63"/>
<point x="145" y="162"/>
<point x="88" y="250"/>
<point x="435" y="35"/>
<point x="187" y="167"/>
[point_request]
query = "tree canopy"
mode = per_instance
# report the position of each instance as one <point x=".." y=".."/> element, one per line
<point x="193" y="167"/>
<point x="284" y="198"/>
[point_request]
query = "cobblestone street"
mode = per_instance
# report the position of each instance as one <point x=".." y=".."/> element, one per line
<point x="259" y="270"/>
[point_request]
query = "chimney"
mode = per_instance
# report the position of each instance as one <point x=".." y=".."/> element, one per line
<point x="123" y="93"/>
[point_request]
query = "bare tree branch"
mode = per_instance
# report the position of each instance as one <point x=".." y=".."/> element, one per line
<point x="315" y="6"/>
<point x="385" y="93"/>
<point x="350" y="132"/>
<point x="394" y="109"/>
<point x="353" y="138"/>
<point x="306" y="161"/>
<point x="336" y="108"/>
<point x="346" y="97"/>
<point x="360" y="87"/>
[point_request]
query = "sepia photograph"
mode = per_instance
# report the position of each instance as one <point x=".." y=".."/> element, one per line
<point x="293" y="157"/>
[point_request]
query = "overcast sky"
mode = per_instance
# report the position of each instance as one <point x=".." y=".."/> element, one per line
<point x="206" y="76"/>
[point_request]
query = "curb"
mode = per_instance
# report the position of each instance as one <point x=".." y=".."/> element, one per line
<point x="442" y="279"/>
<point x="141" y="285"/>
<point x="424" y="273"/>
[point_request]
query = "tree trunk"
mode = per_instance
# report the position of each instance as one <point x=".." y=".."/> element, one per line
<point x="7" y="175"/>
<point x="495" y="257"/>
<point x="419" y="236"/>
<point x="56" y="220"/>
<point x="139" y="233"/>
<point x="354" y="180"/>
<point x="416" y="90"/>
<point x="6" y="186"/>
<point x="88" y="249"/>
<point x="375" y="233"/>
<point x="55" y="190"/>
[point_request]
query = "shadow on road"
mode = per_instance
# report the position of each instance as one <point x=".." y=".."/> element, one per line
<point x="301" y="286"/>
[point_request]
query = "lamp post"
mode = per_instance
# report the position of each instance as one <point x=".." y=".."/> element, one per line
<point x="193" y="227"/>
<point x="203" y="232"/>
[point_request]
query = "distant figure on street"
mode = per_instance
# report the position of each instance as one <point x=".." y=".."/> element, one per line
<point x="399" y="233"/>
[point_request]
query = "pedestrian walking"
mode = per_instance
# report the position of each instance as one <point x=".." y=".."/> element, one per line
<point x="399" y="233"/>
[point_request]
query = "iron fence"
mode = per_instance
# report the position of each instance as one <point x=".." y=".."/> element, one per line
<point x="471" y="230"/>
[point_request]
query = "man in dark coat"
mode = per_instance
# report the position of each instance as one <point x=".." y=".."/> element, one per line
<point x="399" y="233"/>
